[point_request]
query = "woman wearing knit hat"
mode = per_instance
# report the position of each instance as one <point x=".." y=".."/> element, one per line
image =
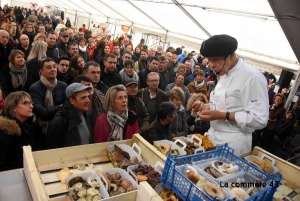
<point x="239" y="103"/>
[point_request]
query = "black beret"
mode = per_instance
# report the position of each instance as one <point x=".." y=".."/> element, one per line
<point x="218" y="46"/>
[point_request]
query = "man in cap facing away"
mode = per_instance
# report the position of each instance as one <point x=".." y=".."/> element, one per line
<point x="73" y="124"/>
<point x="239" y="103"/>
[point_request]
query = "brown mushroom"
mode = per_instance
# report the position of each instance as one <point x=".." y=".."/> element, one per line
<point x="125" y="184"/>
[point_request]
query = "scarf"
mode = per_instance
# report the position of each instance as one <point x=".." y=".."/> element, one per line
<point x="83" y="49"/>
<point x="48" y="102"/>
<point x="142" y="64"/>
<point x="125" y="77"/>
<point x="18" y="76"/>
<point x="198" y="86"/>
<point x="97" y="99"/>
<point x="117" y="123"/>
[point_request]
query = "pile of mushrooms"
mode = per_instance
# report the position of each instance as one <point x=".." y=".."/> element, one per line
<point x="147" y="173"/>
<point x="84" y="189"/>
<point x="122" y="157"/>
<point x="117" y="185"/>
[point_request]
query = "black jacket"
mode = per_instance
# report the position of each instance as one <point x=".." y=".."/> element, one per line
<point x="157" y="131"/>
<point x="6" y="81"/>
<point x="4" y="53"/>
<point x="199" y="125"/>
<point x="111" y="79"/>
<point x="30" y="35"/>
<point x="143" y="78"/>
<point x="38" y="92"/>
<point x="102" y="87"/>
<point x="33" y="67"/>
<point x="66" y="78"/>
<point x="137" y="105"/>
<point x="63" y="131"/>
<point x="13" y="136"/>
<point x="26" y="52"/>
<point x="165" y="79"/>
<point x="53" y="52"/>
<point x="62" y="48"/>
<point x="85" y="55"/>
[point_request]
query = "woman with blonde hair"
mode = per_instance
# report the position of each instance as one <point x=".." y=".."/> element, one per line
<point x="117" y="122"/>
<point x="178" y="127"/>
<point x="14" y="76"/>
<point x="37" y="53"/>
<point x="17" y="129"/>
<point x="40" y="36"/>
<point x="196" y="125"/>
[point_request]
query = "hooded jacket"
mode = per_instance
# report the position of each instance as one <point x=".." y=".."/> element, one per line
<point x="13" y="136"/>
<point x="179" y="125"/>
<point x="63" y="130"/>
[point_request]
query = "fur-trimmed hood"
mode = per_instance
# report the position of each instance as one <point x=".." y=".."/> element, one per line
<point x="9" y="126"/>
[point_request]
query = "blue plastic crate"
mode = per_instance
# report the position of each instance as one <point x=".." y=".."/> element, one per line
<point x="173" y="179"/>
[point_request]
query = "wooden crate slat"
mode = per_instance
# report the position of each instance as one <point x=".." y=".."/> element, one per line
<point x="52" y="176"/>
<point x="65" y="198"/>
<point x="55" y="188"/>
<point x="69" y="163"/>
<point x="75" y="152"/>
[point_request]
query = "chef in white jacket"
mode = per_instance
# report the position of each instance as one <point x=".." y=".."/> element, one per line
<point x="239" y="103"/>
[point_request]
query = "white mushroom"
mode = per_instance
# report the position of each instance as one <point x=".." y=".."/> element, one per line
<point x="92" y="183"/>
<point x="77" y="186"/>
<point x="92" y="192"/>
<point x="82" y="192"/>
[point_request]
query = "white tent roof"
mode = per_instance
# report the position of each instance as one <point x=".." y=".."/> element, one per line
<point x="189" y="22"/>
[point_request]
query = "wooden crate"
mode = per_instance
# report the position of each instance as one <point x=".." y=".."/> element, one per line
<point x="289" y="188"/>
<point x="41" y="169"/>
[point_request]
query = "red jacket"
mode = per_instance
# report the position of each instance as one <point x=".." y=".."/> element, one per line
<point x="102" y="128"/>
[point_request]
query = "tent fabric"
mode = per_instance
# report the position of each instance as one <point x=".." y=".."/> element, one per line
<point x="189" y="22"/>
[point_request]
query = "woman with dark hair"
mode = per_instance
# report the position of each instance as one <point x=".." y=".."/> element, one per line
<point x="117" y="123"/>
<point x="17" y="129"/>
<point x="128" y="72"/>
<point x="99" y="51"/>
<point x="83" y="49"/>
<point x="76" y="65"/>
<point x="137" y="54"/>
<point x="15" y="76"/>
<point x="286" y="126"/>
<point x="276" y="113"/>
<point x="101" y="59"/>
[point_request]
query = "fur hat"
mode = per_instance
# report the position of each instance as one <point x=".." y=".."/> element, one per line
<point x="218" y="46"/>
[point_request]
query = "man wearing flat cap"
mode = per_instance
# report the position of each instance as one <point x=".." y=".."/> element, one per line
<point x="72" y="125"/>
<point x="239" y="103"/>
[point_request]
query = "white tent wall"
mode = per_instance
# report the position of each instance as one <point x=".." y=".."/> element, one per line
<point x="189" y="22"/>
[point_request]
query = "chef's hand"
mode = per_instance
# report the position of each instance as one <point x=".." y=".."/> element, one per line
<point x="210" y="115"/>
<point x="199" y="107"/>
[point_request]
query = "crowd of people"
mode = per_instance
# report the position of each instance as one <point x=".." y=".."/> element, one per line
<point x="63" y="88"/>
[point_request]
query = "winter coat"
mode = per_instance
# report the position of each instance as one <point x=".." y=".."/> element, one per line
<point x="192" y="88"/>
<point x="13" y="136"/>
<point x="102" y="87"/>
<point x="85" y="55"/>
<point x="62" y="48"/>
<point x="111" y="79"/>
<point x="6" y="80"/>
<point x="26" y="52"/>
<point x="63" y="130"/>
<point x="161" y="96"/>
<point x="53" y="52"/>
<point x="157" y="131"/>
<point x="140" y="65"/>
<point x="143" y="78"/>
<point x="4" y="53"/>
<point x="38" y="92"/>
<point x="186" y="91"/>
<point x="33" y="67"/>
<point x="66" y="77"/>
<point x="275" y="116"/>
<point x="30" y="35"/>
<point x="138" y="106"/>
<point x="165" y="79"/>
<point x="285" y="128"/>
<point x="179" y="125"/>
<point x="102" y="128"/>
<point x="195" y="124"/>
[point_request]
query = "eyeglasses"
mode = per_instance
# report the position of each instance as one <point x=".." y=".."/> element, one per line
<point x="27" y="103"/>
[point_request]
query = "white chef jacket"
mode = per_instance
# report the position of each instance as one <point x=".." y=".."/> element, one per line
<point x="243" y="91"/>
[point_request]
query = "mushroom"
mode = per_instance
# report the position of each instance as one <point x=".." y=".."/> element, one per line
<point x="92" y="192"/>
<point x="131" y="188"/>
<point x="125" y="184"/>
<point x="82" y="192"/>
<point x="96" y="198"/>
<point x="121" y="190"/>
<point x="134" y="160"/>
<point x="77" y="186"/>
<point x="116" y="175"/>
<point x="92" y="183"/>
<point x="114" y="187"/>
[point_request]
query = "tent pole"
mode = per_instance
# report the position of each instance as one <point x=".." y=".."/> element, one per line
<point x="165" y="39"/>
<point x="292" y="92"/>
<point x="75" y="23"/>
<point x="89" y="21"/>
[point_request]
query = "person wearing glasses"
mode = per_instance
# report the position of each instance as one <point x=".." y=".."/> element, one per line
<point x="17" y="129"/>
<point x="109" y="76"/>
<point x="152" y="96"/>
<point x="29" y="31"/>
<point x="127" y="73"/>
<point x="15" y="76"/>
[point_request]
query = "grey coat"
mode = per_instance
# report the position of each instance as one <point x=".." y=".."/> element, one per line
<point x="179" y="124"/>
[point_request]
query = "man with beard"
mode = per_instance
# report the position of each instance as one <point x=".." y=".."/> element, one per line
<point x="109" y="75"/>
<point x="142" y="63"/>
